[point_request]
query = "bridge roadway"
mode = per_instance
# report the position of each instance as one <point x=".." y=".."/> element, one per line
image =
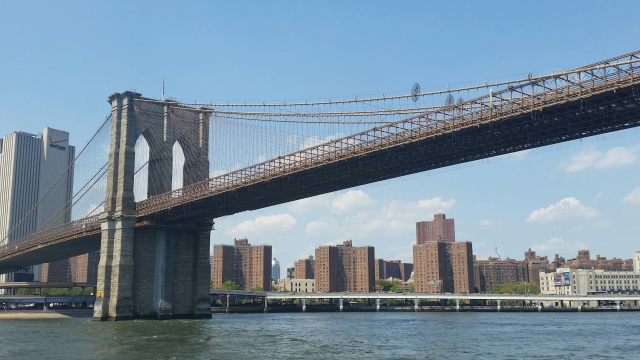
<point x="594" y="99"/>
<point x="437" y="297"/>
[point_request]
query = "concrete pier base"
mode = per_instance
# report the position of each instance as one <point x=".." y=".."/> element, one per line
<point x="170" y="278"/>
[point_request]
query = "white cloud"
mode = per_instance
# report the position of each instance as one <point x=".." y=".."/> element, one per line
<point x="308" y="204"/>
<point x="583" y="160"/>
<point x="560" y="246"/>
<point x="396" y="218"/>
<point x="633" y="197"/>
<point x="519" y="155"/>
<point x="565" y="208"/>
<point x="351" y="200"/>
<point x="618" y="156"/>
<point x="272" y="225"/>
<point x="487" y="223"/>
<point x="95" y="209"/>
<point x="592" y="158"/>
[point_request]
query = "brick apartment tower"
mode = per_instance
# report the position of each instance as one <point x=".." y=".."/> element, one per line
<point x="303" y="268"/>
<point x="345" y="268"/>
<point x="440" y="229"/>
<point x="441" y="265"/>
<point x="395" y="269"/>
<point x="246" y="265"/>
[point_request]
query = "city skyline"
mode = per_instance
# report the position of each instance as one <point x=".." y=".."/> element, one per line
<point x="558" y="199"/>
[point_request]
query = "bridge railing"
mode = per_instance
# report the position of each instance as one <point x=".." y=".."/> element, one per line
<point x="517" y="99"/>
<point x="72" y="229"/>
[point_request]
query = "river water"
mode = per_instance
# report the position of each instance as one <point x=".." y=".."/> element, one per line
<point x="384" y="335"/>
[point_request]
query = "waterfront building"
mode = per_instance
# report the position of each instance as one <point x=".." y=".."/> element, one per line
<point x="290" y="271"/>
<point x="442" y="267"/>
<point x="495" y="271"/>
<point x="30" y="167"/>
<point x="393" y="269"/>
<point x="584" y="261"/>
<point x="246" y="265"/>
<point x="440" y="229"/>
<point x="536" y="264"/>
<point x="275" y="270"/>
<point x="567" y="281"/>
<point x="345" y="268"/>
<point x="303" y="268"/>
<point x="296" y="285"/>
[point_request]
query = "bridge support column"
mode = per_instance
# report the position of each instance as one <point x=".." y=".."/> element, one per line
<point x="304" y="305"/>
<point x="539" y="306"/>
<point x="416" y="304"/>
<point x="618" y="305"/>
<point x="153" y="271"/>
<point x="377" y="304"/>
<point x="341" y="303"/>
<point x="498" y="303"/>
<point x="457" y="304"/>
<point x="579" y="305"/>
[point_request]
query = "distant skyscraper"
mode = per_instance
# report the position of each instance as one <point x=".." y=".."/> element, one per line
<point x="29" y="166"/>
<point x="275" y="270"/>
<point x="246" y="265"/>
<point x="440" y="229"/>
<point x="345" y="268"/>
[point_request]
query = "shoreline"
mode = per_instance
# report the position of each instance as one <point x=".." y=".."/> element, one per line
<point x="31" y="315"/>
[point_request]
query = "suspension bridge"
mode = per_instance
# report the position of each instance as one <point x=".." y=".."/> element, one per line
<point x="169" y="168"/>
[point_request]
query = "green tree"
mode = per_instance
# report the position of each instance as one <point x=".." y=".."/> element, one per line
<point x="385" y="284"/>
<point x="395" y="286"/>
<point x="517" y="288"/>
<point x="229" y="285"/>
<point x="258" y="288"/>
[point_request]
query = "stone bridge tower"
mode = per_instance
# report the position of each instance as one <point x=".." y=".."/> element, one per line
<point x="156" y="270"/>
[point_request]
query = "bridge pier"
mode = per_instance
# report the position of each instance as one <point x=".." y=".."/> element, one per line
<point x="153" y="270"/>
<point x="341" y="303"/>
<point x="304" y="305"/>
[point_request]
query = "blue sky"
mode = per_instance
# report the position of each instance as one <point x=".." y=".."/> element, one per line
<point x="60" y="60"/>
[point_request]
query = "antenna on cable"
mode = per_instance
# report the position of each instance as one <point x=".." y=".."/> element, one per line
<point x="162" y="89"/>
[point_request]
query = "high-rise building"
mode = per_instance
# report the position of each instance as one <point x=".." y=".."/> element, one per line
<point x="290" y="272"/>
<point x="30" y="167"/>
<point x="440" y="229"/>
<point x="440" y="264"/>
<point x="303" y="268"/>
<point x="345" y="268"/>
<point x="443" y="267"/>
<point x="275" y="270"/>
<point x="394" y="269"/>
<point x="246" y="265"/>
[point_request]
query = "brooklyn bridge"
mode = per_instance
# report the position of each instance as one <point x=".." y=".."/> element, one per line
<point x="157" y="173"/>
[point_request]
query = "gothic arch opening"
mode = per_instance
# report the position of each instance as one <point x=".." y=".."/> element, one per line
<point x="141" y="177"/>
<point x="177" y="179"/>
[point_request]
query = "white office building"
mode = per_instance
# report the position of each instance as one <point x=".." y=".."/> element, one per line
<point x="30" y="165"/>
<point x="567" y="281"/>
